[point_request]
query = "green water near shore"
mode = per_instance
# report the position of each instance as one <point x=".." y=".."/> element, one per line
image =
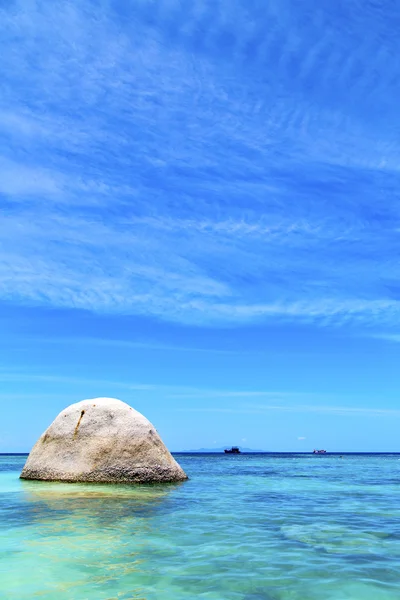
<point x="249" y="527"/>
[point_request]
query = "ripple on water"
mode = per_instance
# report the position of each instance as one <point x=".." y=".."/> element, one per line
<point x="253" y="528"/>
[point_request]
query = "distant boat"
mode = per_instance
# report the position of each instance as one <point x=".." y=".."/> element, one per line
<point x="233" y="450"/>
<point x="319" y="451"/>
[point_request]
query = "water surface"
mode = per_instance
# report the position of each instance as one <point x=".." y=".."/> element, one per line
<point x="249" y="527"/>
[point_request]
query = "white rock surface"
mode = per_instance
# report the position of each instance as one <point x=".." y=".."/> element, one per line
<point x="101" y="440"/>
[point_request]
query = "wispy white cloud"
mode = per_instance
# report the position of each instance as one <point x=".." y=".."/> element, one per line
<point x="319" y="409"/>
<point x="201" y="393"/>
<point x="183" y="392"/>
<point x="177" y="391"/>
<point x="185" y="167"/>
<point x="17" y="180"/>
<point x="59" y="379"/>
<point x="126" y="344"/>
<point x="388" y="337"/>
<point x="268" y="400"/>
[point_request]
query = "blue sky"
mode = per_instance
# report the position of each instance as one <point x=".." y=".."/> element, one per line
<point x="200" y="215"/>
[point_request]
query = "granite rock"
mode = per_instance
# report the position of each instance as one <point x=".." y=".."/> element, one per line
<point x="101" y="440"/>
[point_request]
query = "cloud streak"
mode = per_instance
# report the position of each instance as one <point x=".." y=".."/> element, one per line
<point x="343" y="411"/>
<point x="228" y="163"/>
<point x="186" y="397"/>
<point x="176" y="391"/>
<point x="274" y="400"/>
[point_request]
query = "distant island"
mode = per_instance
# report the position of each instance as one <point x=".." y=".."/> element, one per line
<point x="222" y="448"/>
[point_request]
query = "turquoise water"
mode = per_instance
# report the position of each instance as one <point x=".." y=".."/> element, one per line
<point x="249" y="527"/>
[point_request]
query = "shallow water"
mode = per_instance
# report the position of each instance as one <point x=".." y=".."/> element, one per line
<point x="249" y="527"/>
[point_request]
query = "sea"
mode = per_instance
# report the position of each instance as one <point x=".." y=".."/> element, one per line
<point x="246" y="527"/>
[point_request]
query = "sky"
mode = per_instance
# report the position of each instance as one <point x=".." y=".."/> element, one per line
<point x="199" y="215"/>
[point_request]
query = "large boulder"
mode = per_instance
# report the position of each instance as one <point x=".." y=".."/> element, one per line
<point x="101" y="440"/>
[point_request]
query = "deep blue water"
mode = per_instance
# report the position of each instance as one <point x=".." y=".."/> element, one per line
<point x="248" y="527"/>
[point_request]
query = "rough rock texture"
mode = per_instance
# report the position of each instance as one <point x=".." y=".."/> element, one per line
<point x="101" y="440"/>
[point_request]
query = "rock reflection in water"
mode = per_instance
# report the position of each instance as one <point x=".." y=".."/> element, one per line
<point x="96" y="534"/>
